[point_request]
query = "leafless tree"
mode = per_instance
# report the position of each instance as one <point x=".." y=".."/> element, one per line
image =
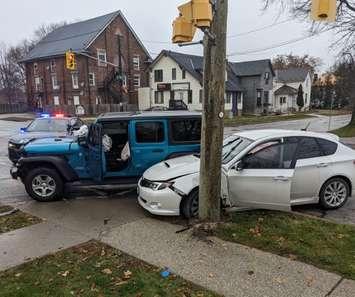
<point x="281" y="62"/>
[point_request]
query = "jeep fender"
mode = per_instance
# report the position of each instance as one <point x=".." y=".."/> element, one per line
<point x="59" y="163"/>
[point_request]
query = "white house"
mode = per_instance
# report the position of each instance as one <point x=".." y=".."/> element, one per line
<point x="177" y="76"/>
<point x="285" y="89"/>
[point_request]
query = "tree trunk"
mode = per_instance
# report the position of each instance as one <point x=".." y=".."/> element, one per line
<point x="213" y="114"/>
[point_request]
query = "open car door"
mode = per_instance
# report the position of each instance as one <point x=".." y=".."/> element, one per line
<point x="263" y="178"/>
<point x="95" y="162"/>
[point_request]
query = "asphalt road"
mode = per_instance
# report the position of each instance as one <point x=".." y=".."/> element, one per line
<point x="122" y="208"/>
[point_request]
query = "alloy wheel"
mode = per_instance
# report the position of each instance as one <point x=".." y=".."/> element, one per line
<point x="43" y="185"/>
<point x="335" y="193"/>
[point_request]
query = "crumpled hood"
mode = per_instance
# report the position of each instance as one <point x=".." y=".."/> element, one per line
<point x="57" y="145"/>
<point x="35" y="135"/>
<point x="173" y="168"/>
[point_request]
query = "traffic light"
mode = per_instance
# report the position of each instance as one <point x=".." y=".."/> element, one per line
<point x="70" y="60"/>
<point x="193" y="14"/>
<point x="324" y="10"/>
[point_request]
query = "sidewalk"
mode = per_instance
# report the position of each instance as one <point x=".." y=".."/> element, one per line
<point x="227" y="268"/>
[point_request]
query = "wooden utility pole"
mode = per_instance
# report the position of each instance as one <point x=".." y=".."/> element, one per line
<point x="214" y="79"/>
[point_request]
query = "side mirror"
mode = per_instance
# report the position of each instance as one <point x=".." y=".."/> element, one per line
<point x="239" y="166"/>
<point x="22" y="130"/>
<point x="82" y="140"/>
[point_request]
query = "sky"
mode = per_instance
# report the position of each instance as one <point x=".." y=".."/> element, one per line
<point x="152" y="22"/>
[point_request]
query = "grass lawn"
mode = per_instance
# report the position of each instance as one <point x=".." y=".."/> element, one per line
<point x="15" y="220"/>
<point x="93" y="269"/>
<point x="251" y="119"/>
<point x="334" y="112"/>
<point x="347" y="131"/>
<point x="321" y="243"/>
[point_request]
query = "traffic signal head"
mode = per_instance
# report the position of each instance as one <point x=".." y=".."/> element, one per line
<point x="324" y="10"/>
<point x="70" y="60"/>
<point x="183" y="30"/>
<point x="202" y="13"/>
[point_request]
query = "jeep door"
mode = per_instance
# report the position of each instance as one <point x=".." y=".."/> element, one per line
<point x="149" y="143"/>
<point x="95" y="153"/>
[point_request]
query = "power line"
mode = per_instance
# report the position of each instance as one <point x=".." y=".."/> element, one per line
<point x="276" y="45"/>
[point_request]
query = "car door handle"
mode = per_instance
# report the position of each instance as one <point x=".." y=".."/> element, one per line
<point x="157" y="151"/>
<point x="281" y="178"/>
<point x="321" y="165"/>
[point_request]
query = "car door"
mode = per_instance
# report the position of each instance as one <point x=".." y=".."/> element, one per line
<point x="95" y="152"/>
<point x="149" y="143"/>
<point x="310" y="165"/>
<point x="263" y="177"/>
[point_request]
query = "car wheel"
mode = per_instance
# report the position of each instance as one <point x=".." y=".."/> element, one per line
<point x="334" y="193"/>
<point x="190" y="205"/>
<point x="44" y="184"/>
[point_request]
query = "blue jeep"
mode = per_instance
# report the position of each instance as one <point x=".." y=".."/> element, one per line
<point x="51" y="166"/>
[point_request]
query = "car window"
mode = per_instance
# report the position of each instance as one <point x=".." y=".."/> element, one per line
<point x="328" y="147"/>
<point x="187" y="130"/>
<point x="149" y="132"/>
<point x="308" y="148"/>
<point x="48" y="125"/>
<point x="275" y="154"/>
<point x="233" y="146"/>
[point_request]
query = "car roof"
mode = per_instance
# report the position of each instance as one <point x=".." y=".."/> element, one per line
<point x="147" y="115"/>
<point x="271" y="133"/>
<point x="53" y="118"/>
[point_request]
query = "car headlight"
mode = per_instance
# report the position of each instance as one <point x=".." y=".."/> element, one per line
<point x="155" y="186"/>
<point x="24" y="141"/>
<point x="11" y="145"/>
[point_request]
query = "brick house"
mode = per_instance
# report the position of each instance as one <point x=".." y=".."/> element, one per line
<point x="97" y="43"/>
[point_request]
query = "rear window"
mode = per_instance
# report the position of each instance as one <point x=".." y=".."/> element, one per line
<point x="328" y="147"/>
<point x="186" y="131"/>
<point x="308" y="148"/>
<point x="150" y="132"/>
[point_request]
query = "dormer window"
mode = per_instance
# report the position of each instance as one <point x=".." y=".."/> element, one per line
<point x="267" y="77"/>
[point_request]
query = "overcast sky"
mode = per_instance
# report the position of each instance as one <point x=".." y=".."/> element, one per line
<point x="152" y="22"/>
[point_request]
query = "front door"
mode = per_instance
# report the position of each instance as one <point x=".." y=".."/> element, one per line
<point x="95" y="160"/>
<point x="149" y="143"/>
<point x="263" y="178"/>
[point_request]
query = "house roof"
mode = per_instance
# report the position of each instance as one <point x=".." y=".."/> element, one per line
<point x="77" y="36"/>
<point x="251" y="68"/>
<point x="286" y="90"/>
<point x="291" y="75"/>
<point x="194" y="65"/>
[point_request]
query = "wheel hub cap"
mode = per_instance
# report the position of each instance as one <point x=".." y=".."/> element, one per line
<point x="43" y="185"/>
<point x="335" y="193"/>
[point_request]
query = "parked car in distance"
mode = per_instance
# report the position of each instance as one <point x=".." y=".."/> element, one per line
<point x="52" y="164"/>
<point x="268" y="169"/>
<point x="42" y="127"/>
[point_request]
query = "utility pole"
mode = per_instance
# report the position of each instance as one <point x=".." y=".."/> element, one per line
<point x="214" y="79"/>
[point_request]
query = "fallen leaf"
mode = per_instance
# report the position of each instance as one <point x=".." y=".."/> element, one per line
<point x="121" y="283"/>
<point x="103" y="253"/>
<point x="107" y="271"/>
<point x="309" y="281"/>
<point x="211" y="275"/>
<point x="127" y="274"/>
<point x="340" y="236"/>
<point x="65" y="274"/>
<point x="250" y="272"/>
<point x="279" y="280"/>
<point x="18" y="274"/>
<point x="292" y="257"/>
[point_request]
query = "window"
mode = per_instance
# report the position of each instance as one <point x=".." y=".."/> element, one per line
<point x="305" y="98"/>
<point x="267" y="77"/>
<point x="53" y="66"/>
<point x="55" y="84"/>
<point x="188" y="130"/>
<point x="56" y="100"/>
<point x="92" y="79"/>
<point x="101" y="58"/>
<point x="201" y="96"/>
<point x="124" y="80"/>
<point x="35" y="68"/>
<point x="266" y="97"/>
<point x="228" y="98"/>
<point x="189" y="99"/>
<point x="183" y="74"/>
<point x="76" y="100"/>
<point x="159" y="97"/>
<point x="38" y="84"/>
<point x="308" y="148"/>
<point x="233" y="146"/>
<point x="173" y="74"/>
<point x="282" y="100"/>
<point x="137" y="81"/>
<point x="150" y="132"/>
<point x="158" y="75"/>
<point x="136" y="62"/>
<point x="75" y="80"/>
<point x="258" y="98"/>
<point x="328" y="147"/>
<point x="275" y="154"/>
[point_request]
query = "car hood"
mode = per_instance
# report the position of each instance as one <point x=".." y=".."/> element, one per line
<point x="173" y="168"/>
<point x="35" y="135"/>
<point x="57" y="145"/>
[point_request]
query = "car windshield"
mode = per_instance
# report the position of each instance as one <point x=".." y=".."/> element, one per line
<point x="48" y="125"/>
<point x="232" y="146"/>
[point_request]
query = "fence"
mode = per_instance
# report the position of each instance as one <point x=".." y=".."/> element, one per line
<point x="13" y="108"/>
<point x="89" y="110"/>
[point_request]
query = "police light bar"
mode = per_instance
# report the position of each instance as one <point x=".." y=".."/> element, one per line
<point x="59" y="115"/>
<point x="45" y="115"/>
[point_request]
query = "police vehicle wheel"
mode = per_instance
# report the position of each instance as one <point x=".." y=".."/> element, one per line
<point x="44" y="184"/>
<point x="189" y="207"/>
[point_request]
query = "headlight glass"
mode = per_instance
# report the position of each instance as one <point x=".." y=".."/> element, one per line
<point x="155" y="186"/>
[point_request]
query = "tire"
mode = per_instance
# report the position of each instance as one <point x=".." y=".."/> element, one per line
<point x="49" y="184"/>
<point x="334" y="193"/>
<point x="189" y="207"/>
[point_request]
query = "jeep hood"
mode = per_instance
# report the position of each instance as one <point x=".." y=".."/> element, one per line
<point x="173" y="168"/>
<point x="49" y="146"/>
<point x="35" y="135"/>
